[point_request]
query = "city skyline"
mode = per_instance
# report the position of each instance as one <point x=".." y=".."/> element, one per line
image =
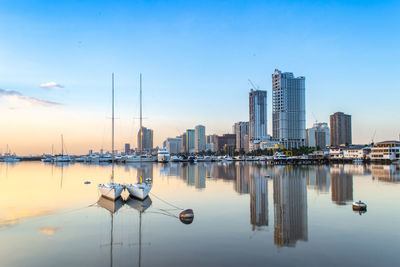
<point x="196" y="66"/>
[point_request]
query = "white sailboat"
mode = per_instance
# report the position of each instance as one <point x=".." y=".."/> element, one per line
<point x="141" y="189"/>
<point x="112" y="190"/>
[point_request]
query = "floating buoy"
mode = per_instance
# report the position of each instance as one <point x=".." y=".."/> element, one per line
<point x="87" y="182"/>
<point x="186" y="216"/>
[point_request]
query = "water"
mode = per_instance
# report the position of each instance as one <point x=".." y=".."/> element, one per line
<point x="298" y="216"/>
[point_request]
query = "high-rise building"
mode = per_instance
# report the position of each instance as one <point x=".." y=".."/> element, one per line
<point x="340" y="129"/>
<point x="226" y="142"/>
<point x="183" y="143"/>
<point x="200" y="138"/>
<point x="241" y="129"/>
<point x="288" y="109"/>
<point x="190" y="137"/>
<point x="127" y="148"/>
<point x="258" y="115"/>
<point x="318" y="136"/>
<point x="145" y="139"/>
<point x="173" y="145"/>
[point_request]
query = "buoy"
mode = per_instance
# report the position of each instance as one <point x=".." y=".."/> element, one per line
<point x="186" y="216"/>
<point x="87" y="182"/>
<point x="359" y="205"/>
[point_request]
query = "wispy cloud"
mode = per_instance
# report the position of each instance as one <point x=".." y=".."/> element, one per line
<point x="15" y="96"/>
<point x="52" y="85"/>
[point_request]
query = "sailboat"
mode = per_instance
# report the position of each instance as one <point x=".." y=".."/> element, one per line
<point x="141" y="189"/>
<point x="112" y="190"/>
<point x="62" y="157"/>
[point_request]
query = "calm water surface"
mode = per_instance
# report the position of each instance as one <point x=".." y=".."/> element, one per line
<point x="245" y="214"/>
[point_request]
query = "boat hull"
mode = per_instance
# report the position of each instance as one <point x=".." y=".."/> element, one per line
<point x="111" y="191"/>
<point x="139" y="191"/>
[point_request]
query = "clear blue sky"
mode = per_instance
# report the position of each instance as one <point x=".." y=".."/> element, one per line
<point x="196" y="58"/>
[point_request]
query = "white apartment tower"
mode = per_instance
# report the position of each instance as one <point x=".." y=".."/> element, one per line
<point x="288" y="109"/>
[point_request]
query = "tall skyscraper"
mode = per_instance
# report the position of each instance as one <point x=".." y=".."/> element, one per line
<point x="340" y="129"/>
<point x="318" y="136"/>
<point x="258" y="115"/>
<point x="146" y="138"/>
<point x="200" y="138"/>
<point x="288" y="109"/>
<point x="190" y="137"/>
<point x="241" y="129"/>
<point x="127" y="149"/>
<point x="183" y="143"/>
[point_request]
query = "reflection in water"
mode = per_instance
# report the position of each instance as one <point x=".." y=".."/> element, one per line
<point x="290" y="206"/>
<point x="242" y="181"/>
<point x="387" y="173"/>
<point x="258" y="200"/>
<point x="342" y="186"/>
<point x="319" y="179"/>
<point x="49" y="230"/>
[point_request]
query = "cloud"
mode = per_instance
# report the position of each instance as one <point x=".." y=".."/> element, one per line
<point x="15" y="96"/>
<point x="52" y="85"/>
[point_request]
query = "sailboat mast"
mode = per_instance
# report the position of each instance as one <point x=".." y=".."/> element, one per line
<point x="62" y="145"/>
<point x="141" y="126"/>
<point x="112" y="130"/>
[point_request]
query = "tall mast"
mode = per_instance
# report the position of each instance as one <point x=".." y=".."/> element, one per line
<point x="112" y="130"/>
<point x="141" y="129"/>
<point x="62" y="145"/>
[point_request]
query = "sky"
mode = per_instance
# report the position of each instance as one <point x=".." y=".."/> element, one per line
<point x="196" y="57"/>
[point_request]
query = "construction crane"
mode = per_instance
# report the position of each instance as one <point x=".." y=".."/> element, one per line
<point x="255" y="87"/>
<point x="314" y="117"/>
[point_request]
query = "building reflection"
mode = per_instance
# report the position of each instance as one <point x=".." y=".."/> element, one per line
<point x="258" y="199"/>
<point x="319" y="179"/>
<point x="290" y="207"/>
<point x="242" y="181"/>
<point x="386" y="173"/>
<point x="200" y="179"/>
<point x="342" y="186"/>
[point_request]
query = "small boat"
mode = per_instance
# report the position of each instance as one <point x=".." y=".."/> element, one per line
<point x="359" y="205"/>
<point x="175" y="159"/>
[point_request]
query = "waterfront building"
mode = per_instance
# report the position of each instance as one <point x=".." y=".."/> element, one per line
<point x="173" y="145"/>
<point x="183" y="143"/>
<point x="257" y="115"/>
<point x="241" y="130"/>
<point x="356" y="152"/>
<point x="145" y="139"/>
<point x="210" y="147"/>
<point x="386" y="151"/>
<point x="127" y="148"/>
<point x="225" y="142"/>
<point x="318" y="136"/>
<point x="290" y="207"/>
<point x="340" y="124"/>
<point x="200" y="138"/>
<point x="211" y="142"/>
<point x="190" y="137"/>
<point x="288" y="109"/>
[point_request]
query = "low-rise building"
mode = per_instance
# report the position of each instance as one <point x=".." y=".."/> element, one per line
<point x="386" y="151"/>
<point x="356" y="152"/>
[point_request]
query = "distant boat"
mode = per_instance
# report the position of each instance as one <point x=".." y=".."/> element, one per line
<point x="175" y="159"/>
<point x="62" y="157"/>
<point x="111" y="190"/>
<point x="141" y="189"/>
<point x="359" y="205"/>
<point x="139" y="158"/>
<point x="11" y="158"/>
<point x="163" y="155"/>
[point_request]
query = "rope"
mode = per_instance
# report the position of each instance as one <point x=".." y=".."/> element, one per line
<point x="166" y="202"/>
